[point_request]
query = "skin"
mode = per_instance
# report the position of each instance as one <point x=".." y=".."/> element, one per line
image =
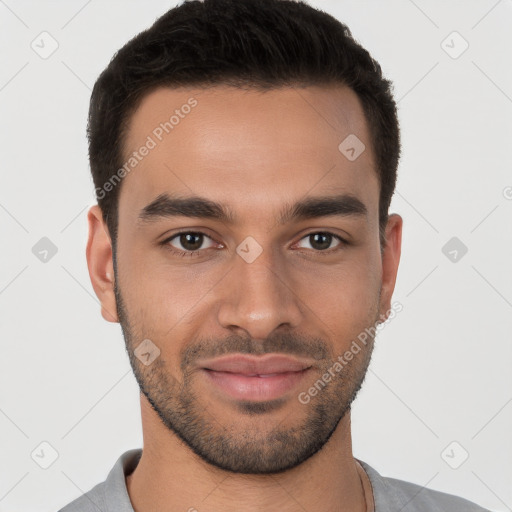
<point x="253" y="152"/>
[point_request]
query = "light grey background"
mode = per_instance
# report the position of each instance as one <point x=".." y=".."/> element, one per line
<point x="441" y="371"/>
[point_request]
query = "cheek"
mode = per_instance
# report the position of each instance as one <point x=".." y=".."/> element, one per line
<point x="351" y="283"/>
<point x="346" y="298"/>
<point x="154" y="285"/>
<point x="164" y="301"/>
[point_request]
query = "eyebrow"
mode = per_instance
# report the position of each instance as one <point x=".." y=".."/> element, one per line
<point x="167" y="206"/>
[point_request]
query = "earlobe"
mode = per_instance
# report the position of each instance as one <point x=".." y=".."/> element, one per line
<point x="390" y="262"/>
<point x="100" y="263"/>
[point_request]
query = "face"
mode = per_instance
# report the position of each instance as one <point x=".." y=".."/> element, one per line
<point x="244" y="230"/>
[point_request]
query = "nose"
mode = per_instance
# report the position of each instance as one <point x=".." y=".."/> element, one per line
<point x="259" y="297"/>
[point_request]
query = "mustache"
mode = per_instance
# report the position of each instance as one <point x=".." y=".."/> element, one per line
<point x="282" y="343"/>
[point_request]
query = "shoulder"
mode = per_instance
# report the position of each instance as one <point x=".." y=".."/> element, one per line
<point x="91" y="501"/>
<point x="110" y="495"/>
<point x="416" y="497"/>
<point x="391" y="494"/>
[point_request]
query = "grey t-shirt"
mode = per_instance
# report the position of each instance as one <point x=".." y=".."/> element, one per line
<point x="390" y="494"/>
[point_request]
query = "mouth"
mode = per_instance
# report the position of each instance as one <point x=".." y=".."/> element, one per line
<point x="255" y="378"/>
<point x="254" y="387"/>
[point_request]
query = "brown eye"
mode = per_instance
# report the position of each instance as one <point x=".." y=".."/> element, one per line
<point x="321" y="241"/>
<point x="190" y="241"/>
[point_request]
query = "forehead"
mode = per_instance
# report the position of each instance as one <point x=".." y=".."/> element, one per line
<point x="247" y="148"/>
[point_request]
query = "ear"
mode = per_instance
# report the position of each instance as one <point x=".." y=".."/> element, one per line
<point x="100" y="264"/>
<point x="390" y="261"/>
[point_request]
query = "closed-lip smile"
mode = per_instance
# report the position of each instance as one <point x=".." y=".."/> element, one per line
<point x="246" y="377"/>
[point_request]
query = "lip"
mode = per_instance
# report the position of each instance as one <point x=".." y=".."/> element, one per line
<point x="255" y="365"/>
<point x="255" y="378"/>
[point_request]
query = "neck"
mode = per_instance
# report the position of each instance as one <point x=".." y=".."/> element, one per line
<point x="171" y="477"/>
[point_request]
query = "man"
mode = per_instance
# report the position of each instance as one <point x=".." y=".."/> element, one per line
<point x="244" y="154"/>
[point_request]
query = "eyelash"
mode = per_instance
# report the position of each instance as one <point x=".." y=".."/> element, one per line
<point x="198" y="252"/>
